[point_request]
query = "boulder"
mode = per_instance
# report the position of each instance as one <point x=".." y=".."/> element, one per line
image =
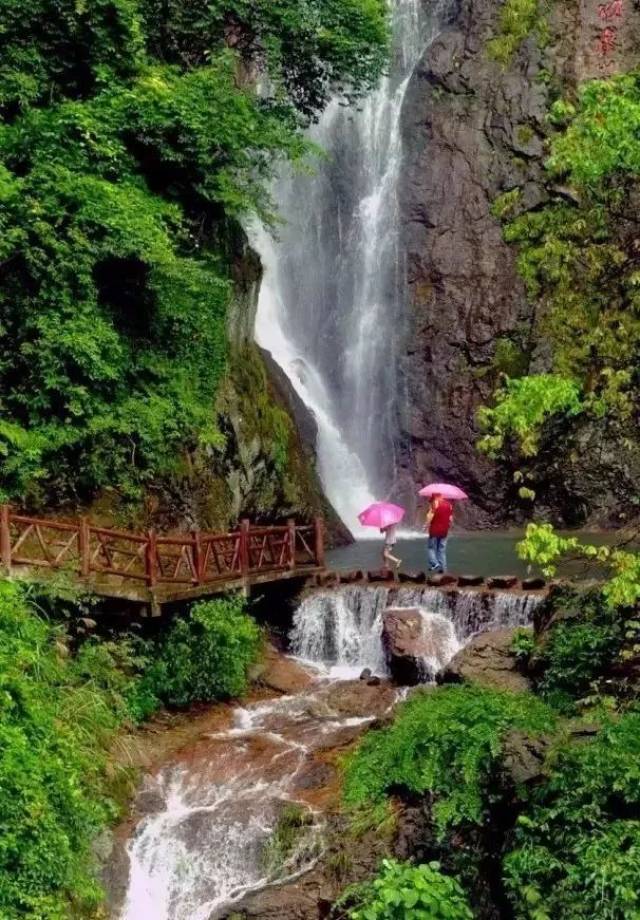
<point x="533" y="584"/>
<point x="523" y="757"/>
<point x="487" y="660"/>
<point x="470" y="581"/>
<point x="415" y="646"/>
<point x="280" y="673"/>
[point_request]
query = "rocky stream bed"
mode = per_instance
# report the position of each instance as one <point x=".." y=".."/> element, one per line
<point x="220" y="784"/>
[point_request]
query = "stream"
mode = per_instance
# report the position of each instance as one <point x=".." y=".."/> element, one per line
<point x="203" y="822"/>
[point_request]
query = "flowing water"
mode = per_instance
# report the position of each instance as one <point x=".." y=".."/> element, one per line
<point x="206" y="819"/>
<point x="331" y="302"/>
<point x="342" y="628"/>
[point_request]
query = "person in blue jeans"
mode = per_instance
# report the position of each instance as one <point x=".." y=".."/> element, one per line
<point x="439" y="520"/>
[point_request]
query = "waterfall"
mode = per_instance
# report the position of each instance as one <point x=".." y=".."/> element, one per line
<point x="330" y="309"/>
<point x="342" y="628"/>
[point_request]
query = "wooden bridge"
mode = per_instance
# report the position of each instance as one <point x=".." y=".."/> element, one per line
<point x="157" y="569"/>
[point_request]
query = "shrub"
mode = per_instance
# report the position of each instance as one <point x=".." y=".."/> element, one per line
<point x="518" y="20"/>
<point x="522" y="406"/>
<point x="401" y="891"/>
<point x="443" y="742"/>
<point x="577" y="849"/>
<point x="58" y="718"/>
<point x="206" y="656"/>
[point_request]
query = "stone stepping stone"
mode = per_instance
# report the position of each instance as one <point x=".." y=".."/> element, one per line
<point x="503" y="581"/>
<point x="442" y="581"/>
<point x="470" y="581"/>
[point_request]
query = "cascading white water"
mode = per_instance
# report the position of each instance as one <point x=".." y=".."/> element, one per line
<point x="342" y="629"/>
<point x="210" y="816"/>
<point x="203" y="844"/>
<point x="331" y="301"/>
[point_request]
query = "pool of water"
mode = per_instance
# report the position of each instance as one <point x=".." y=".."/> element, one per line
<point x="470" y="553"/>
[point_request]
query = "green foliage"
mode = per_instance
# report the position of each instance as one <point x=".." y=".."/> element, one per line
<point x="577" y="847"/>
<point x="518" y="20"/>
<point x="311" y="48"/>
<point x="445" y="743"/>
<point x="58" y="717"/>
<point x="542" y="546"/>
<point x="582" y="644"/>
<point x="505" y="204"/>
<point x="509" y="358"/>
<point x="523" y="644"/>
<point x="402" y="891"/>
<point x="577" y="254"/>
<point x="600" y="140"/>
<point x="131" y="144"/>
<point x="205" y="656"/>
<point x="522" y="406"/>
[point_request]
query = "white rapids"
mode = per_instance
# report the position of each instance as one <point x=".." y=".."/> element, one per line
<point x="203" y="845"/>
<point x="342" y="628"/>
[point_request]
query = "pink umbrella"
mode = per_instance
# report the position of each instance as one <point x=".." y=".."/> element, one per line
<point x="381" y="514"/>
<point x="453" y="493"/>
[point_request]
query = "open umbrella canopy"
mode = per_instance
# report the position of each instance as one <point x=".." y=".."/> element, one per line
<point x="381" y="514"/>
<point x="453" y="493"/>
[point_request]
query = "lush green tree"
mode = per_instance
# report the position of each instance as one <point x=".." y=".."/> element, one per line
<point x="578" y="256"/>
<point x="132" y="139"/>
<point x="544" y="547"/>
<point x="58" y="717"/>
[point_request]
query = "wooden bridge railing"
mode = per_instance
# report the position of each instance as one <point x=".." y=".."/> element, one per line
<point x="196" y="558"/>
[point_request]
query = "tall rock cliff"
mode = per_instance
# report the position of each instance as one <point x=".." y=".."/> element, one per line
<point x="475" y="129"/>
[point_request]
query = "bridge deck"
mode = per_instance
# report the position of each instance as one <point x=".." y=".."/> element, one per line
<point x="154" y="569"/>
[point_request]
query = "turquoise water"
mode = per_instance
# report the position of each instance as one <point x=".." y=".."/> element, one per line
<point x="479" y="554"/>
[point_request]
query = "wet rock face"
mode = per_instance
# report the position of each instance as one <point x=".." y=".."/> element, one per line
<point x="473" y="130"/>
<point x="487" y="660"/>
<point x="462" y="121"/>
<point x="411" y="643"/>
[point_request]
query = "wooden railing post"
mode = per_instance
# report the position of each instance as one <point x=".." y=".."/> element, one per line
<point x="151" y="559"/>
<point x="245" y="526"/>
<point x="291" y="524"/>
<point x="197" y="555"/>
<point x="320" y="541"/>
<point x="5" y="536"/>
<point x="84" y="547"/>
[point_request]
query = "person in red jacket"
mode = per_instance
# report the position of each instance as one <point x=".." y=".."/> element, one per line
<point x="439" y="520"/>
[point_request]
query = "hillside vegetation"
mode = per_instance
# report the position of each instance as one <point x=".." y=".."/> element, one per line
<point x="132" y="140"/>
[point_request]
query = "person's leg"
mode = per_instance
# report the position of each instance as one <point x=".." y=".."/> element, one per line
<point x="432" y="547"/>
<point x="442" y="554"/>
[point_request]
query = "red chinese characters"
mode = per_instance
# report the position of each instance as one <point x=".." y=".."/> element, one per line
<point x="607" y="41"/>
<point x="611" y="10"/>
